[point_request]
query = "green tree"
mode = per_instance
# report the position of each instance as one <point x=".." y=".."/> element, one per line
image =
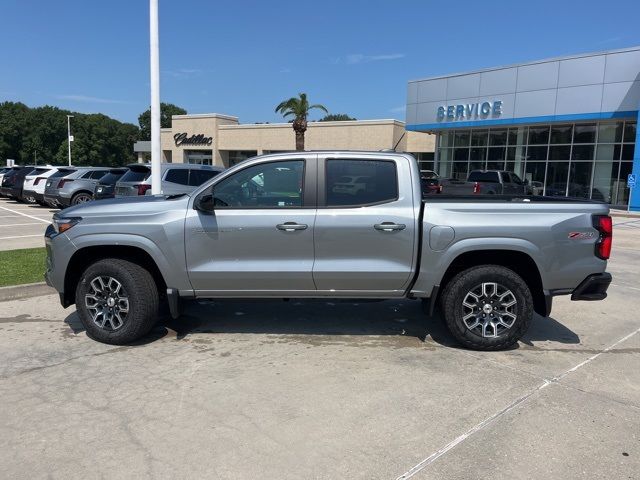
<point x="299" y="108"/>
<point x="167" y="110"/>
<point x="99" y="140"/>
<point x="336" y="117"/>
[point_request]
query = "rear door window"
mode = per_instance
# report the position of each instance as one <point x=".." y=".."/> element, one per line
<point x="177" y="175"/>
<point x="352" y="183"/>
<point x="98" y="174"/>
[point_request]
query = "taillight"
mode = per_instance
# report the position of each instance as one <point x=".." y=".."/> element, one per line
<point x="37" y="180"/>
<point x="63" y="181"/>
<point x="476" y="187"/>
<point x="142" y="188"/>
<point x="604" y="225"/>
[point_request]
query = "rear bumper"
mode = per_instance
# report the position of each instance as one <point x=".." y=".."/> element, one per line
<point x="594" y="287"/>
<point x="51" y="200"/>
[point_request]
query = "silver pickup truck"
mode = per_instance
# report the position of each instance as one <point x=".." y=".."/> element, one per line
<point x="285" y="226"/>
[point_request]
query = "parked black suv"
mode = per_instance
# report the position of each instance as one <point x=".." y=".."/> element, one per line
<point x="13" y="181"/>
<point x="105" y="188"/>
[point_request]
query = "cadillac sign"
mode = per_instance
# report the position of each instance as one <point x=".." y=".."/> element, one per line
<point x="469" y="111"/>
<point x="199" y="139"/>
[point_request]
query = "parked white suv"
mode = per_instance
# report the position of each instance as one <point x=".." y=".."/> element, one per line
<point x="34" y="183"/>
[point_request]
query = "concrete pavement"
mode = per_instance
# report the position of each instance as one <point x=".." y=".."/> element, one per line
<point x="316" y="389"/>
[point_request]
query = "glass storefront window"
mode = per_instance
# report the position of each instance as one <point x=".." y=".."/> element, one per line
<point x="518" y="136"/>
<point x="446" y="139"/>
<point x="582" y="152"/>
<point x="623" y="190"/>
<point x="498" y="136"/>
<point x="496" y="153"/>
<point x="461" y="138"/>
<point x="559" y="152"/>
<point x="459" y="170"/>
<point x="627" y="152"/>
<point x="479" y="138"/>
<point x="605" y="175"/>
<point x="580" y="179"/>
<point x="561" y="134"/>
<point x="460" y="154"/>
<point x="608" y="152"/>
<point x="536" y="153"/>
<point x="476" y="166"/>
<point x="478" y="154"/>
<point x="630" y="132"/>
<point x="556" y="182"/>
<point x="535" y="172"/>
<point x="588" y="160"/>
<point x="539" y="135"/>
<point x="584" y="133"/>
<point x="445" y="154"/>
<point x="610" y="132"/>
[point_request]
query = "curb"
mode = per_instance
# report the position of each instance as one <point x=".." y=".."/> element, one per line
<point x="15" y="292"/>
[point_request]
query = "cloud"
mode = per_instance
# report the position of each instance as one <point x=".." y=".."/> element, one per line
<point x="184" y="72"/>
<point x="356" y="58"/>
<point x="88" y="99"/>
<point x="400" y="109"/>
<point x="285" y="70"/>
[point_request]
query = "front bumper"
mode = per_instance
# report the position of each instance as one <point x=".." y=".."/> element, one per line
<point x="594" y="287"/>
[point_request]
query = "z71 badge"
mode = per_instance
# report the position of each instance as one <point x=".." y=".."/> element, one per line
<point x="581" y="235"/>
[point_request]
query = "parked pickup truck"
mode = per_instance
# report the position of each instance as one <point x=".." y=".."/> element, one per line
<point x="275" y="226"/>
<point x="488" y="182"/>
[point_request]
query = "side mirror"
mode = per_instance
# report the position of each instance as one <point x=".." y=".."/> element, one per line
<point x="204" y="203"/>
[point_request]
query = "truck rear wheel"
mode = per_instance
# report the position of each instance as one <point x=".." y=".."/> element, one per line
<point x="488" y="307"/>
<point x="117" y="301"/>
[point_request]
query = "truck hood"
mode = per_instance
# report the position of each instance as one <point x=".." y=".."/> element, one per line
<point x="142" y="205"/>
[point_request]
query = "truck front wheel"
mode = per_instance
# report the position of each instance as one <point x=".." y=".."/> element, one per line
<point x="488" y="307"/>
<point x="117" y="301"/>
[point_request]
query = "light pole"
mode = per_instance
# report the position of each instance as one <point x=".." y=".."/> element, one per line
<point x="69" y="137"/>
<point x="154" y="52"/>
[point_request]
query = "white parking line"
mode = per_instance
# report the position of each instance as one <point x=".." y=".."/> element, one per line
<point x="25" y="215"/>
<point x="487" y="421"/>
<point x="20" y="236"/>
<point x="19" y="224"/>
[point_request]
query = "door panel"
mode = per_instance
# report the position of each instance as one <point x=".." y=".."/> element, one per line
<point x="259" y="239"/>
<point x="243" y="250"/>
<point x="369" y="247"/>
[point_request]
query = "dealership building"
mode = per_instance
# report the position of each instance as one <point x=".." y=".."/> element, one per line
<point x="567" y="125"/>
<point x="215" y="139"/>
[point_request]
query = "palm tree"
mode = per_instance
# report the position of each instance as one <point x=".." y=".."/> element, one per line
<point x="299" y="108"/>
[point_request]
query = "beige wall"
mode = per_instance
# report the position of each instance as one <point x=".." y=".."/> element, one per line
<point x="228" y="135"/>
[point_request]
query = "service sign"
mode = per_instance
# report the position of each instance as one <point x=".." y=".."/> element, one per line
<point x="470" y="111"/>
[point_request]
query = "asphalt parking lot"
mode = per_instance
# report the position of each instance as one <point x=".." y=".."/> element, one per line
<point x="316" y="389"/>
<point x="22" y="225"/>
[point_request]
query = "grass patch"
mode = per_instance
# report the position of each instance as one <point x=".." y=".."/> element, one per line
<point x="22" y="266"/>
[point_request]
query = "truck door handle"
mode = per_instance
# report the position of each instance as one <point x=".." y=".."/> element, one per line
<point x="389" y="226"/>
<point x="291" y="226"/>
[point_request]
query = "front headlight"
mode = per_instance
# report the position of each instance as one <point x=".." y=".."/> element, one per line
<point x="62" y="224"/>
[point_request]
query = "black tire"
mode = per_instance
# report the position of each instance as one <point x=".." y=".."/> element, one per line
<point x="142" y="301"/>
<point x="81" y="197"/>
<point x="498" y="329"/>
